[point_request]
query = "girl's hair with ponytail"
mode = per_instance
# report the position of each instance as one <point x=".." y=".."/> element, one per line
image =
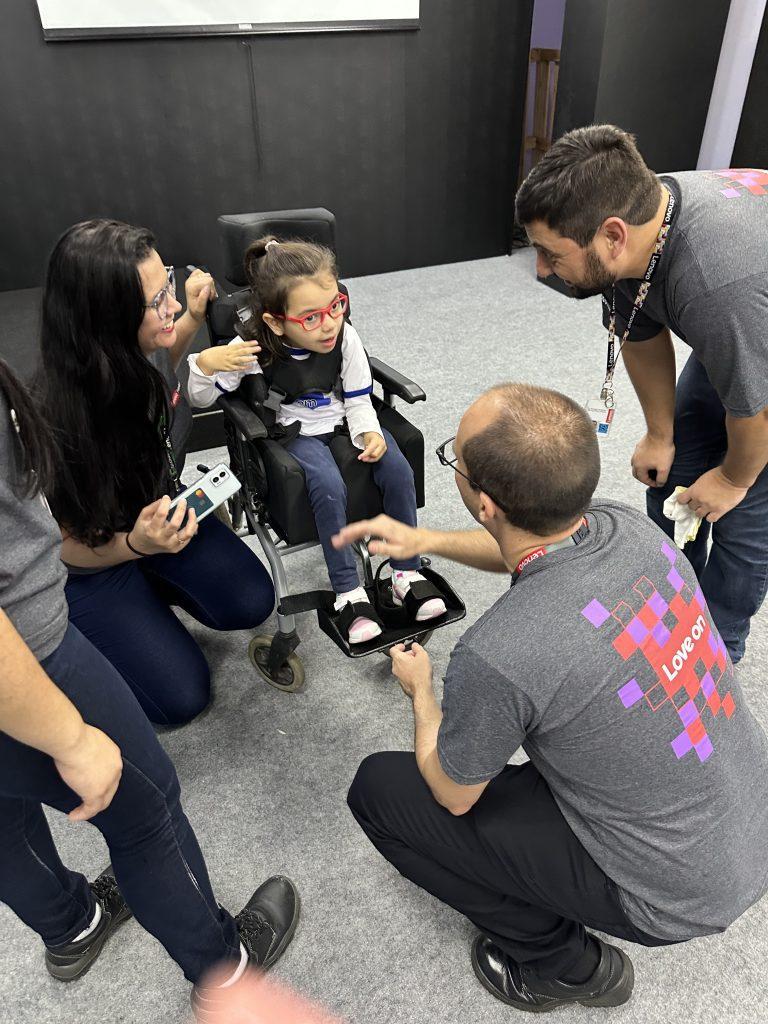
<point x="272" y="271"/>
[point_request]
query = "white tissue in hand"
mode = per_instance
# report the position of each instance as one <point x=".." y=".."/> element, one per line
<point x="686" y="521"/>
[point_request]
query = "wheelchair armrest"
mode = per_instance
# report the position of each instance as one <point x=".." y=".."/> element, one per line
<point x="395" y="383"/>
<point x="242" y="416"/>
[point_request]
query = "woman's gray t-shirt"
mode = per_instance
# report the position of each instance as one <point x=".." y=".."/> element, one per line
<point x="32" y="575"/>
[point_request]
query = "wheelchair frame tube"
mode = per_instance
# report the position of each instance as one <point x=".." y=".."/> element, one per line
<point x="285" y="623"/>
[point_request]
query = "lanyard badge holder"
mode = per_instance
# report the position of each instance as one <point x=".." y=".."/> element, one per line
<point x="603" y="409"/>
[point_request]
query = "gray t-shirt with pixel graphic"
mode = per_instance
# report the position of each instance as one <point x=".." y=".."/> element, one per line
<point x="603" y="663"/>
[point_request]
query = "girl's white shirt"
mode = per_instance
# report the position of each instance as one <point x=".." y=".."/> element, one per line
<point x="350" y="399"/>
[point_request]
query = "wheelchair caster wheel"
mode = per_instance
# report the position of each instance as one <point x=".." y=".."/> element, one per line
<point x="288" y="678"/>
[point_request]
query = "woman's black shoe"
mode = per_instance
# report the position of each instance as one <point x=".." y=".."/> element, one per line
<point x="72" y="959"/>
<point x="610" y="985"/>
<point x="266" y="925"/>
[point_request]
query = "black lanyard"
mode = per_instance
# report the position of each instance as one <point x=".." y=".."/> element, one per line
<point x="607" y="391"/>
<point x="170" y="458"/>
<point x="533" y="556"/>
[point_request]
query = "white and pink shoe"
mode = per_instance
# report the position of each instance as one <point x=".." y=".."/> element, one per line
<point x="362" y="628"/>
<point x="429" y="607"/>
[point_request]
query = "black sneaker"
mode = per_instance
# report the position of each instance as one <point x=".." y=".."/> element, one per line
<point x="266" y="925"/>
<point x="72" y="959"/>
<point x="610" y="985"/>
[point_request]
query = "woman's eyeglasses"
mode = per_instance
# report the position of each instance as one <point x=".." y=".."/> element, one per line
<point x="446" y="453"/>
<point x="161" y="301"/>
<point x="311" y="321"/>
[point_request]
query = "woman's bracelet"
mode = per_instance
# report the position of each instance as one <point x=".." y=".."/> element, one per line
<point x="141" y="554"/>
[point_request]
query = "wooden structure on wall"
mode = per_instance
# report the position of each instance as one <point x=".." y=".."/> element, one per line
<point x="547" y="66"/>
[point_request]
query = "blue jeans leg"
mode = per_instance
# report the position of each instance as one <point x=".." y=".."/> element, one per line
<point x="328" y="498"/>
<point x="125" y="612"/>
<point x="733" y="572"/>
<point x="394" y="478"/>
<point x="155" y="855"/>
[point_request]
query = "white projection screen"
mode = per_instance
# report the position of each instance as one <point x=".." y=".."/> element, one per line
<point x="104" y="19"/>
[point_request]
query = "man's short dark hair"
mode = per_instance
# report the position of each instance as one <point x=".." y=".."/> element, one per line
<point x="588" y="175"/>
<point x="539" y="458"/>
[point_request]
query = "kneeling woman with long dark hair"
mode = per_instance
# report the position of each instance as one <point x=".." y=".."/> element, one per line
<point x="108" y="386"/>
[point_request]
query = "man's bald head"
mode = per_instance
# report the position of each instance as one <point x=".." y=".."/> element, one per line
<point x="534" y="452"/>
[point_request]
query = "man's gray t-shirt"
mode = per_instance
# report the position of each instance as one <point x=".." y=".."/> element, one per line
<point x="604" y="664"/>
<point x="711" y="284"/>
<point x="32" y="576"/>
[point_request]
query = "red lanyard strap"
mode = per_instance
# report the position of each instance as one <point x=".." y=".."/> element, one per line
<point x="532" y="556"/>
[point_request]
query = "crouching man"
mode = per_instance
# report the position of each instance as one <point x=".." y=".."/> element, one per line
<point x="643" y="810"/>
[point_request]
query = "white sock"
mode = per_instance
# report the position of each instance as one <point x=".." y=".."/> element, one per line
<point x="239" y="970"/>
<point x="91" y="927"/>
<point x="350" y="596"/>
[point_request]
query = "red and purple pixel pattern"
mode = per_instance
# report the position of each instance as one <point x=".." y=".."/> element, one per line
<point x="679" y="643"/>
<point x="744" y="180"/>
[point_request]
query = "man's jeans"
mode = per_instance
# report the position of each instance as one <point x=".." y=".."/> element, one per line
<point x="155" y="856"/>
<point x="734" y="573"/>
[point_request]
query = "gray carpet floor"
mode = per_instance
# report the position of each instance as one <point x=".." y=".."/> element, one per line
<point x="264" y="774"/>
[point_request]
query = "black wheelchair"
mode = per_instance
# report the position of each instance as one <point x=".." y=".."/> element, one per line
<point x="273" y="504"/>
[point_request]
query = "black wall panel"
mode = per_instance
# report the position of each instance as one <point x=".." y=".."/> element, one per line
<point x="411" y="138"/>
<point x="751" y="148"/>
<point x="651" y="71"/>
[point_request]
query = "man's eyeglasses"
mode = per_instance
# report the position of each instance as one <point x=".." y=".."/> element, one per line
<point x="448" y="457"/>
<point x="311" y="321"/>
<point x="161" y="301"/>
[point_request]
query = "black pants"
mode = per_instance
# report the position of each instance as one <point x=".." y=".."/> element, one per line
<point x="512" y="865"/>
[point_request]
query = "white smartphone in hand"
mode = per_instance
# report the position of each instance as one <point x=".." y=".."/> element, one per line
<point x="206" y="494"/>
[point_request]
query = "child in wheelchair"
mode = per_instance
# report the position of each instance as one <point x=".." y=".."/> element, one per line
<point x="310" y="363"/>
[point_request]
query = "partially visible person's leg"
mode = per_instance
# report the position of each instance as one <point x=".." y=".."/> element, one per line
<point x="216" y="578"/>
<point x="735" y="579"/>
<point x="734" y="572"/>
<point x="700" y="444"/>
<point x="394" y="478"/>
<point x="133" y="627"/>
<point x="155" y="855"/>
<point x="54" y="901"/>
<point x="328" y="498"/>
<point x="511" y="865"/>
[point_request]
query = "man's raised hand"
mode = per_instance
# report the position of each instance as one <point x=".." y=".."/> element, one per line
<point x="393" y="539"/>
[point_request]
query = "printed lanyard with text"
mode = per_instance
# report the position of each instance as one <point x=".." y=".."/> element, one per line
<point x="173" y="469"/>
<point x="606" y="394"/>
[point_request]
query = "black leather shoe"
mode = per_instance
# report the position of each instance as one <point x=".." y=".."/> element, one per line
<point x="266" y="925"/>
<point x="610" y="985"/>
<point x="72" y="959"/>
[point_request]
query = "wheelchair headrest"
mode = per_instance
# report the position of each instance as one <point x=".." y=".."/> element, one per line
<point x="238" y="230"/>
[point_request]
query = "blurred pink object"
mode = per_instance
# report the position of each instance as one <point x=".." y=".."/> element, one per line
<point x="255" y="999"/>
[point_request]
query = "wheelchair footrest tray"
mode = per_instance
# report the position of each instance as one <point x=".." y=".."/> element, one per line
<point x="399" y="626"/>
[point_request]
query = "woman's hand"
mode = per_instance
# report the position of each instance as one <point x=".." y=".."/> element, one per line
<point x="154" y="534"/>
<point x="199" y="289"/>
<point x="375" y="446"/>
<point x="92" y="768"/>
<point x="239" y="356"/>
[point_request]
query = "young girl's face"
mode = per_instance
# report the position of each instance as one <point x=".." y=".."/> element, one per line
<point x="308" y="295"/>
